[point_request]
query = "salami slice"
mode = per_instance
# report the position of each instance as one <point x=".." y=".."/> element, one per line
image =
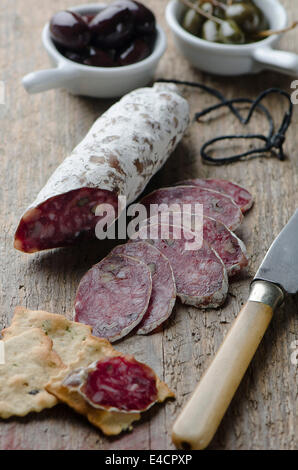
<point x="116" y="384"/>
<point x="216" y="205"/>
<point x="124" y="148"/>
<point x="163" y="294"/>
<point x="200" y="275"/>
<point x="241" y="196"/>
<point x="227" y="245"/>
<point x="113" y="296"/>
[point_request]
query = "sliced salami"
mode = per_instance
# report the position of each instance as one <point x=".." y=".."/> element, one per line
<point x="227" y="245"/>
<point x="163" y="294"/>
<point x="116" y="384"/>
<point x="216" y="205"/>
<point x="113" y="296"/>
<point x="241" y="196"/>
<point x="200" y="275"/>
<point x="124" y="148"/>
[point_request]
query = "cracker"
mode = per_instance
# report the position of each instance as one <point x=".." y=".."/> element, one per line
<point x="111" y="423"/>
<point x="68" y="337"/>
<point x="30" y="363"/>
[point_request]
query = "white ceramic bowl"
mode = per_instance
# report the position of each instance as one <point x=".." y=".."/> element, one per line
<point x="223" y="59"/>
<point x="99" y="82"/>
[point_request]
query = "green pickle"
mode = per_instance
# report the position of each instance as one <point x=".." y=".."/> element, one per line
<point x="230" y="33"/>
<point x="237" y="23"/>
<point x="210" y="31"/>
<point x="193" y="21"/>
<point x="247" y="16"/>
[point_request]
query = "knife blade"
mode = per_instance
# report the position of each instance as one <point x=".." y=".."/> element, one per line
<point x="280" y="264"/>
<point x="277" y="275"/>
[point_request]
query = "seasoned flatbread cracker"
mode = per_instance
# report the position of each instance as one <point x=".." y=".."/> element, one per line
<point x="67" y="336"/>
<point x="29" y="364"/>
<point x="111" y="423"/>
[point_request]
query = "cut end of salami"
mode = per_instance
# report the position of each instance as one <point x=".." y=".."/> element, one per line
<point x="113" y="296"/>
<point x="200" y="275"/>
<point x="163" y="296"/>
<point x="62" y="220"/>
<point x="240" y="195"/>
<point x="124" y="148"/>
<point x="116" y="384"/>
<point x="216" y="205"/>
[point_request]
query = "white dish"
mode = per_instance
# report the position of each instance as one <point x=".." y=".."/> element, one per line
<point x="223" y="59"/>
<point x="99" y="82"/>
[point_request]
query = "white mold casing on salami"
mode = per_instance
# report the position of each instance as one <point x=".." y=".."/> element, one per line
<point x="124" y="148"/>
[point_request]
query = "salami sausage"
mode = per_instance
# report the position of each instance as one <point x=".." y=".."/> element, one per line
<point x="241" y="196"/>
<point x="116" y="384"/>
<point x="163" y="294"/>
<point x="200" y="275"/>
<point x="113" y="296"/>
<point x="216" y="205"/>
<point x="227" y="245"/>
<point x="124" y="148"/>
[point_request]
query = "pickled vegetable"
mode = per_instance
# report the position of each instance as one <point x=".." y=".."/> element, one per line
<point x="237" y="22"/>
<point x="210" y="31"/>
<point x="247" y="16"/>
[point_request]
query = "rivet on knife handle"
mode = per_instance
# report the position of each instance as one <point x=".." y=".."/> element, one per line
<point x="199" y="420"/>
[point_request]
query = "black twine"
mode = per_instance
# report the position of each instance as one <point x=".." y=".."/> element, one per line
<point x="273" y="141"/>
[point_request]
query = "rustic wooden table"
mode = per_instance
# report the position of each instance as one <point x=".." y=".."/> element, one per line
<point x="36" y="133"/>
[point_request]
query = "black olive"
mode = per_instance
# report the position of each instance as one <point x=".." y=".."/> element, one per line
<point x="112" y="27"/>
<point x="68" y="29"/>
<point x="145" y="22"/>
<point x="137" y="51"/>
<point x="100" y="58"/>
<point x="75" y="56"/>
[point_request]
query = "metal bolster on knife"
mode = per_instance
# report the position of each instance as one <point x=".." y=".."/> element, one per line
<point x="266" y="293"/>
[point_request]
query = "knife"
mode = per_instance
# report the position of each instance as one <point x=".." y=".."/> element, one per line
<point x="277" y="275"/>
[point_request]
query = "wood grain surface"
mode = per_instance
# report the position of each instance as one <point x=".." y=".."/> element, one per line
<point x="36" y="133"/>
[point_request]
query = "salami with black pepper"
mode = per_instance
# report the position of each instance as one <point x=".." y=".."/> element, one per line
<point x="240" y="195"/>
<point x="200" y="275"/>
<point x="124" y="148"/>
<point x="163" y="294"/>
<point x="113" y="296"/>
<point x="216" y="205"/>
<point x="116" y="384"/>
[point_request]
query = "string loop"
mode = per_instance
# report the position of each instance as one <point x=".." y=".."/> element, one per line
<point x="272" y="141"/>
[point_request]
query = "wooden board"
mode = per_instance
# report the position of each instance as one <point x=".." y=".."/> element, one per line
<point x="36" y="133"/>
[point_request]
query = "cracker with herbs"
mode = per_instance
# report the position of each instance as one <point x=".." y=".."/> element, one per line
<point x="68" y="337"/>
<point x="29" y="363"/>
